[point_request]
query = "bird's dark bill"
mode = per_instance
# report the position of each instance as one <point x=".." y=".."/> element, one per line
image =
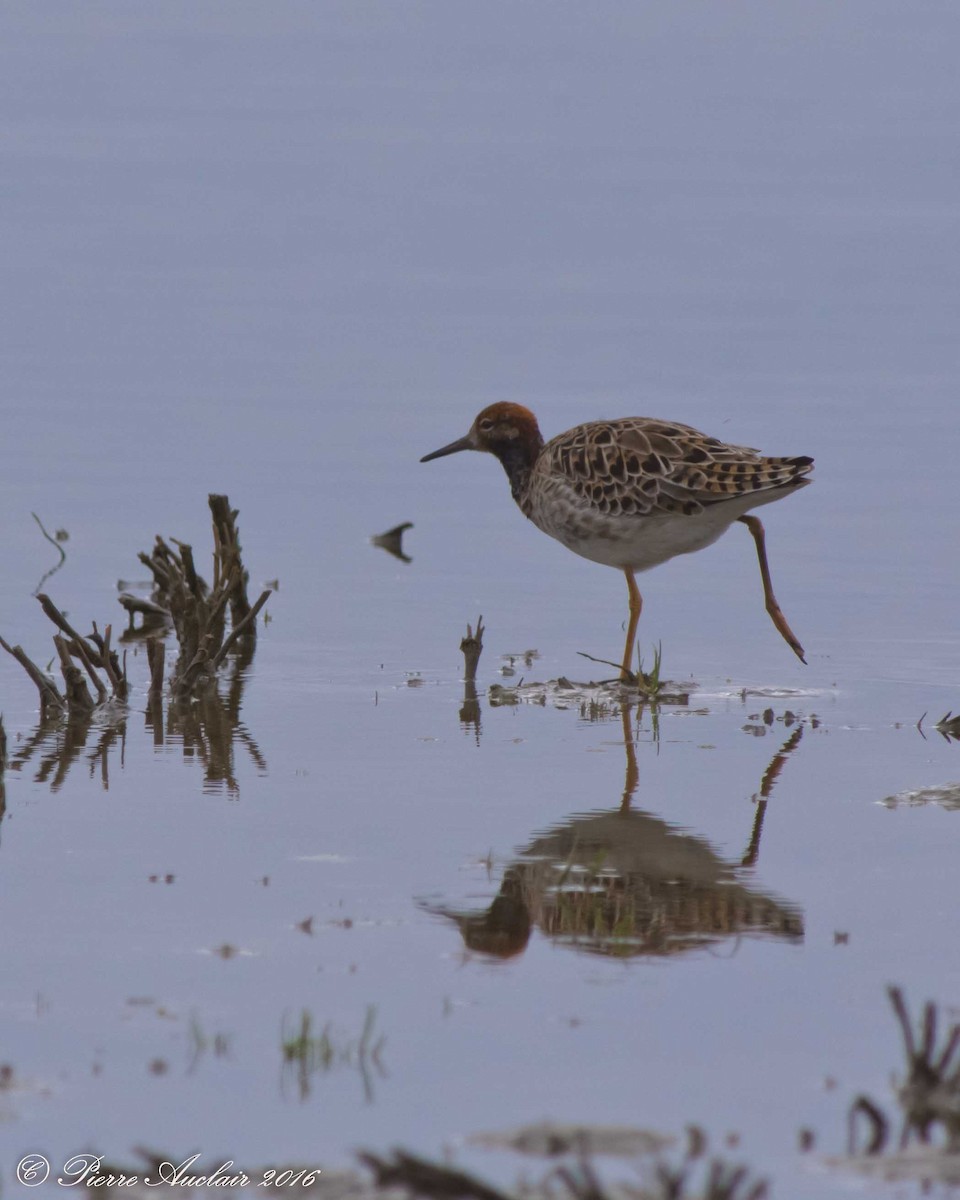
<point x="463" y="443"/>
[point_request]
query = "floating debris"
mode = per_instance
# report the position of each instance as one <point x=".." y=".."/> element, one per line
<point x="548" y="1139"/>
<point x="947" y="795"/>
<point x="565" y="693"/>
<point x="392" y="541"/>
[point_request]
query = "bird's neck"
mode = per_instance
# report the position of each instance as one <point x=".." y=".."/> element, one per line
<point x="518" y="459"/>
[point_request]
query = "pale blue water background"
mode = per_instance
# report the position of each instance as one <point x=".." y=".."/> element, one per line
<point x="282" y="251"/>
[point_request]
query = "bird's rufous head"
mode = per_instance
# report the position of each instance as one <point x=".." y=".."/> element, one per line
<point x="503" y="429"/>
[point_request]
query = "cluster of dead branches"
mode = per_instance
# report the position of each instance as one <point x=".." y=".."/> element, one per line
<point x="94" y="655"/>
<point x="198" y="610"/>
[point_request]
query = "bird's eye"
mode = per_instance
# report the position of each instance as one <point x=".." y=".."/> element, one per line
<point x="486" y="425"/>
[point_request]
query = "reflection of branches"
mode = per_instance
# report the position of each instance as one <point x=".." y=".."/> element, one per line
<point x="206" y="728"/>
<point x="929" y="1097"/>
<point x="60" y="743"/>
<point x="60" y="550"/>
<point x="207" y="724"/>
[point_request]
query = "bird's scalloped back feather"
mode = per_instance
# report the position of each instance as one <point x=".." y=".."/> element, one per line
<point x="640" y="465"/>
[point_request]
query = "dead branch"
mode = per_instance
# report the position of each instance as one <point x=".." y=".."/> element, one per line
<point x="57" y="617"/>
<point x="50" y="698"/>
<point x="78" y="694"/>
<point x="76" y="648"/>
<point x="472" y="648"/>
<point x="111" y="663"/>
<point x="199" y="612"/>
<point x="227" y="553"/>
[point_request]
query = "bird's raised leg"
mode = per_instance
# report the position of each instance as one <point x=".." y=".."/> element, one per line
<point x="773" y="608"/>
<point x="636" y="604"/>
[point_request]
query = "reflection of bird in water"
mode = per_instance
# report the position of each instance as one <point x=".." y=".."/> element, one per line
<point x="625" y="883"/>
<point x="635" y="492"/>
<point x="392" y="541"/>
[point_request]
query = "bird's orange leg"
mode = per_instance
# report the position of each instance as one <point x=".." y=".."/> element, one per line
<point x="636" y="604"/>
<point x="773" y="608"/>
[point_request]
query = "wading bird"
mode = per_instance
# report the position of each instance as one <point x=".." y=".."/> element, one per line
<point x="635" y="492"/>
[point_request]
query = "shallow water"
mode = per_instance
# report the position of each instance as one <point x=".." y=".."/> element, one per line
<point x="282" y="255"/>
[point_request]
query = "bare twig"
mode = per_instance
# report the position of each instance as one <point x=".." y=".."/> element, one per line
<point x="110" y="663"/>
<point x="603" y="661"/>
<point x="57" y="617"/>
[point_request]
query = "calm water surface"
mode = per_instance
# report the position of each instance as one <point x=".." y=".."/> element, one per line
<point x="281" y="253"/>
